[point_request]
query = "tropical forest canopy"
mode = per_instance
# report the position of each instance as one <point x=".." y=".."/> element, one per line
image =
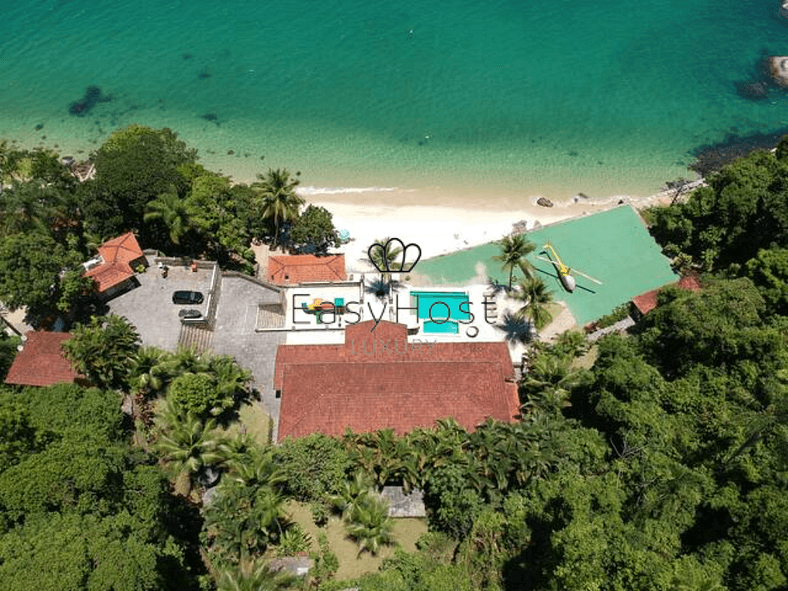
<point x="657" y="460"/>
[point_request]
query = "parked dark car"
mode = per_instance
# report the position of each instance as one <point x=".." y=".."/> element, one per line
<point x="190" y="314"/>
<point x="187" y="297"/>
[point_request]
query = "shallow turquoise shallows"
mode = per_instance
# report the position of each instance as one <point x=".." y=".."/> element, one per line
<point x="506" y="98"/>
<point x="440" y="305"/>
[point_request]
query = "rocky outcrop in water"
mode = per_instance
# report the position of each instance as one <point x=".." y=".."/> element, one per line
<point x="711" y="157"/>
<point x="778" y="68"/>
<point x="784" y="9"/>
<point x="91" y="98"/>
<point x="754" y="91"/>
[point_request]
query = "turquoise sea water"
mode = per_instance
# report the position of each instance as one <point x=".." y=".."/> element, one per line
<point x="506" y="99"/>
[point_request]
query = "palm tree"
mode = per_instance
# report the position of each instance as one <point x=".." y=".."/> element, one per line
<point x="550" y="379"/>
<point x="147" y="374"/>
<point x="252" y="464"/>
<point x="231" y="378"/>
<point x="188" y="445"/>
<point x="280" y="203"/>
<point x="535" y="296"/>
<point x="369" y="524"/>
<point x="102" y="349"/>
<point x="253" y="576"/>
<point x="514" y="249"/>
<point x="242" y="521"/>
<point x="353" y="490"/>
<point x="173" y="212"/>
<point x="385" y="257"/>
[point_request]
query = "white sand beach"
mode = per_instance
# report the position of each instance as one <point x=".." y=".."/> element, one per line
<point x="444" y="229"/>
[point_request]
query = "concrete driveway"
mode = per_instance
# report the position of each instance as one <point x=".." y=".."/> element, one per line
<point x="234" y="334"/>
<point x="150" y="309"/>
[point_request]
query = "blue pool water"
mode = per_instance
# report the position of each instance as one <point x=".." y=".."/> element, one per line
<point x="507" y="99"/>
<point x="448" y="327"/>
<point x="440" y="305"/>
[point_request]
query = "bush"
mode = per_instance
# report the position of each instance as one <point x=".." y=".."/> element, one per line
<point x="314" y="467"/>
<point x="294" y="542"/>
<point x="197" y="393"/>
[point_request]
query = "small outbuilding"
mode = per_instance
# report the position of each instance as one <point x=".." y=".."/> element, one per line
<point x="646" y="302"/>
<point x="305" y="268"/>
<point x="41" y="361"/>
<point x="114" y="268"/>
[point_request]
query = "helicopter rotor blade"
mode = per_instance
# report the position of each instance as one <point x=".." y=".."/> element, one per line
<point x="587" y="276"/>
<point x="545" y="259"/>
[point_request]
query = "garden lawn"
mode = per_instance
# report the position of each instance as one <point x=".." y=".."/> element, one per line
<point x="406" y="532"/>
<point x="255" y="421"/>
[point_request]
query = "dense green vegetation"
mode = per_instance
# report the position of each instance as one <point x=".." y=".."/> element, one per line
<point x="146" y="181"/>
<point x="663" y="465"/>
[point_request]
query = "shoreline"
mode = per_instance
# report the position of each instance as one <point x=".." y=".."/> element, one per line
<point x="441" y="229"/>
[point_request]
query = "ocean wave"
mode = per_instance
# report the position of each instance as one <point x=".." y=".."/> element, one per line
<point x="311" y="190"/>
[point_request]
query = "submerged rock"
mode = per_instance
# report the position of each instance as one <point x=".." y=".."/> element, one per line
<point x="754" y="91"/>
<point x="212" y="117"/>
<point x="91" y="98"/>
<point x="778" y="68"/>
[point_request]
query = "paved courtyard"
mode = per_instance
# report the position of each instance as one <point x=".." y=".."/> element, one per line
<point x="234" y="334"/>
<point x="150" y="309"/>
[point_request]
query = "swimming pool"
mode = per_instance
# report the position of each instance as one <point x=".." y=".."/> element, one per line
<point x="440" y="305"/>
<point x="448" y="327"/>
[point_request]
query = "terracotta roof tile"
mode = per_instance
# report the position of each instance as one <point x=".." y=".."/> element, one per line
<point x="117" y="255"/>
<point x="646" y="302"/>
<point x="379" y="379"/>
<point x="42" y="362"/>
<point x="302" y="268"/>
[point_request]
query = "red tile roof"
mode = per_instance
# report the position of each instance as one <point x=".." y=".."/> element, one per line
<point x="117" y="255"/>
<point x="646" y="302"/>
<point x="302" y="268"/>
<point x="378" y="379"/>
<point x="42" y="362"/>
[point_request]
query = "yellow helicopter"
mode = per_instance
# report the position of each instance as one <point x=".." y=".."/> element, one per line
<point x="564" y="272"/>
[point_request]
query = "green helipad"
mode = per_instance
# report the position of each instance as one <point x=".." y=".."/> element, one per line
<point x="613" y="246"/>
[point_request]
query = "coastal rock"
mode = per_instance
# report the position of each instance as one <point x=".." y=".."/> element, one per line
<point x="784" y="9"/>
<point x="778" y="68"/>
<point x="544" y="202"/>
<point x="90" y="99"/>
<point x="754" y="91"/>
<point x="520" y="227"/>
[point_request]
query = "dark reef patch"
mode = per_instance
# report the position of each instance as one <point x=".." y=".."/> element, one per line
<point x="212" y="117"/>
<point x="39" y="127"/>
<point x="91" y="98"/>
<point x="187" y="56"/>
<point x="204" y="73"/>
<point x="711" y="157"/>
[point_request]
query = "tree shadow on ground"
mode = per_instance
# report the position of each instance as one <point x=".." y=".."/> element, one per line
<point x="516" y="330"/>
